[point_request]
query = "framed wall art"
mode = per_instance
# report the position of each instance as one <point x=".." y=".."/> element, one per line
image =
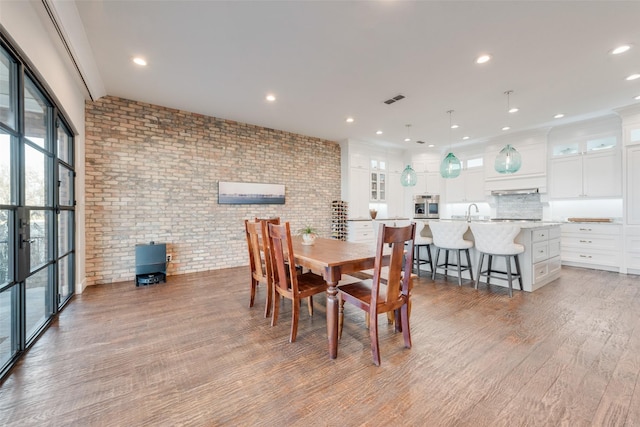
<point x="248" y="193"/>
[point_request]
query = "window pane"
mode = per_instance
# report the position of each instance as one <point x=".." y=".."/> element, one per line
<point x="34" y="176"/>
<point x="7" y="90"/>
<point x="39" y="234"/>
<point x="64" y="145"/>
<point x="5" y="169"/>
<point x="566" y="149"/>
<point x="5" y="260"/>
<point x="35" y="114"/>
<point x="65" y="278"/>
<point x="65" y="189"/>
<point x="36" y="301"/>
<point x="602" y="143"/>
<point x="65" y="232"/>
<point x="7" y="314"/>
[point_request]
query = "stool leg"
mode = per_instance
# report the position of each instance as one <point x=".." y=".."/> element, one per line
<point x="469" y="264"/>
<point x="515" y="257"/>
<point x="433" y="271"/>
<point x="446" y="262"/>
<point x="480" y="261"/>
<point x="509" y="278"/>
<point x="489" y="265"/>
<point x="459" y="268"/>
<point x="416" y="261"/>
<point x="429" y="257"/>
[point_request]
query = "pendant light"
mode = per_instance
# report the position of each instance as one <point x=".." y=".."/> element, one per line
<point x="408" y="178"/>
<point x="450" y="166"/>
<point x="508" y="159"/>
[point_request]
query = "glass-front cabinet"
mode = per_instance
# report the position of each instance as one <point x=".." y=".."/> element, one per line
<point x="378" y="180"/>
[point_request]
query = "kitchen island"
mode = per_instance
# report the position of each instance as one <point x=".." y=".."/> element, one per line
<point x="540" y="263"/>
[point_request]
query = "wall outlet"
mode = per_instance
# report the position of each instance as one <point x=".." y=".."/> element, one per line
<point x="169" y="257"/>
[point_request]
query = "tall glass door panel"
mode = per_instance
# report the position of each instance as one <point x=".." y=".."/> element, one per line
<point x="65" y="278"/>
<point x="34" y="177"/>
<point x="7" y="314"/>
<point x="39" y="226"/>
<point x="37" y="307"/>
<point x="5" y="169"/>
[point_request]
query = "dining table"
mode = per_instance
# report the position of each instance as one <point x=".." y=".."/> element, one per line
<point x="334" y="258"/>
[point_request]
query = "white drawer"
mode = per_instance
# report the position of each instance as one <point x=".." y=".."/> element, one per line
<point x="592" y="257"/>
<point x="584" y="229"/>
<point x="540" y="251"/>
<point x="588" y="242"/>
<point x="540" y="235"/>
<point x="540" y="271"/>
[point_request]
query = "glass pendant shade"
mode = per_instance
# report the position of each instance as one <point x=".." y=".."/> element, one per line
<point x="409" y="178"/>
<point x="450" y="166"/>
<point x="508" y="160"/>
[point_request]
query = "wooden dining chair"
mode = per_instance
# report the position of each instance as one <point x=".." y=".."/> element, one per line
<point x="374" y="297"/>
<point x="287" y="281"/>
<point x="260" y="259"/>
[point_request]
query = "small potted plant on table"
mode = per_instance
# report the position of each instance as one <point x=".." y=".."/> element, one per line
<point x="308" y="234"/>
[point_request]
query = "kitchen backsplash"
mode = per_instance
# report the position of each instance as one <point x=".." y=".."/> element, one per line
<point x="518" y="206"/>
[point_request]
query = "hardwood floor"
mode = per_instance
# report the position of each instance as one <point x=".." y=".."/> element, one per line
<point x="191" y="352"/>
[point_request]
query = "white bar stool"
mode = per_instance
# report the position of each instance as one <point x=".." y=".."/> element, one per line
<point x="498" y="240"/>
<point x="449" y="235"/>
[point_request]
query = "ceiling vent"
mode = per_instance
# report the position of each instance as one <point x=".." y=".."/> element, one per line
<point x="394" y="99"/>
<point x="420" y="142"/>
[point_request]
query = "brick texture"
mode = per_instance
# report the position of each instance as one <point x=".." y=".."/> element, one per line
<point x="152" y="175"/>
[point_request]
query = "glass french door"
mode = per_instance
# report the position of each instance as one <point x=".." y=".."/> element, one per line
<point x="37" y="223"/>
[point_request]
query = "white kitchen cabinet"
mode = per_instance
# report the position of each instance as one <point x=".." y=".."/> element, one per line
<point x="433" y="183"/>
<point x="633" y="185"/>
<point x="395" y="196"/>
<point x="468" y="187"/>
<point x="592" y="245"/>
<point x="361" y="231"/>
<point x="632" y="249"/>
<point x="592" y="174"/>
<point x="358" y="193"/>
<point x="534" y="161"/>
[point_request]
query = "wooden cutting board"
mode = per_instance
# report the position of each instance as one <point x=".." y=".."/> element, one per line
<point x="589" y="219"/>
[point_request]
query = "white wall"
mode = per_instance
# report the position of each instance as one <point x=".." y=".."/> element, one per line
<point x="28" y="25"/>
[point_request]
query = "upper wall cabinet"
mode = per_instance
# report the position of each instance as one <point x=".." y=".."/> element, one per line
<point x="532" y="146"/>
<point x="585" y="160"/>
<point x="469" y="186"/>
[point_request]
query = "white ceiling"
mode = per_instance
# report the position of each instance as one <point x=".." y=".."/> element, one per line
<point x="327" y="60"/>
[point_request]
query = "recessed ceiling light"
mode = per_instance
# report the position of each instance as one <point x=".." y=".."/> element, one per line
<point x="431" y="145"/>
<point x="454" y="126"/>
<point x="465" y="138"/>
<point x="407" y="139"/>
<point x="378" y="132"/>
<point x="633" y="77"/>
<point x="558" y="116"/>
<point x="349" y="120"/>
<point x="514" y="110"/>
<point x="270" y="97"/>
<point x="482" y="59"/>
<point x="140" y="61"/>
<point x="620" y="49"/>
<point x="637" y="97"/>
<point x="506" y="128"/>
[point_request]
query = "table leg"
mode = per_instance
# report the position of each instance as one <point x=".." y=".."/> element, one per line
<point x="332" y="311"/>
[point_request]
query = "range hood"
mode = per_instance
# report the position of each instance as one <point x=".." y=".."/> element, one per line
<point x="515" y="191"/>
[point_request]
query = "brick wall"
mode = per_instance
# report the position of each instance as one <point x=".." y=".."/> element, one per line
<point x="152" y="175"/>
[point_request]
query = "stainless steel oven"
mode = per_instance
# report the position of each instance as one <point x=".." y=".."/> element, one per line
<point x="426" y="206"/>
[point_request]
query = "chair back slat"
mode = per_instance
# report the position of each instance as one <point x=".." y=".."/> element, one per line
<point x="281" y="247"/>
<point x="256" y="260"/>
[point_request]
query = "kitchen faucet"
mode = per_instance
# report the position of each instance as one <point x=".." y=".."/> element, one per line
<point x="469" y="211"/>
